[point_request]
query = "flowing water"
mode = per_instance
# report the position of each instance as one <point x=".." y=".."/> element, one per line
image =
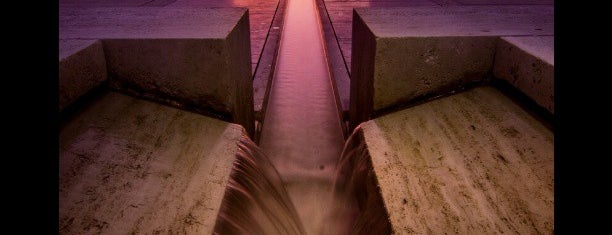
<point x="301" y="132"/>
<point x="255" y="201"/>
<point x="299" y="186"/>
<point x="356" y="193"/>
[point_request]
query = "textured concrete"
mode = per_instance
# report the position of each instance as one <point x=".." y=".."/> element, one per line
<point x="528" y="64"/>
<point x="400" y="54"/>
<point x="336" y="18"/>
<point x="133" y="166"/>
<point x="82" y="67"/>
<point x="160" y="53"/>
<point x="340" y="14"/>
<point x="471" y="163"/>
<point x="261" y="13"/>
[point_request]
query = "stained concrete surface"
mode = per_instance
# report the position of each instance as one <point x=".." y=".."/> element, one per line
<point x="528" y="64"/>
<point x="401" y="54"/>
<point x="134" y="166"/>
<point x="471" y="163"/>
<point x="161" y="54"/>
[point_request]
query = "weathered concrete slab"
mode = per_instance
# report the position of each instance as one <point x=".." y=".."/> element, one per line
<point x="134" y="166"/>
<point x="471" y="163"/>
<point x="401" y="54"/>
<point x="528" y="64"/>
<point x="198" y="57"/>
<point x="82" y="67"/>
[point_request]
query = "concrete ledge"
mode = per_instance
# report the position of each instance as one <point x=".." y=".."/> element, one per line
<point x="81" y="68"/>
<point x="196" y="57"/>
<point x="402" y="54"/>
<point x="134" y="166"/>
<point x="337" y="66"/>
<point x="471" y="163"/>
<point x="528" y="64"/>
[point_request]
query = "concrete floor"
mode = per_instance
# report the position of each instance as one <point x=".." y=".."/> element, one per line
<point x="470" y="163"/>
<point x="134" y="166"/>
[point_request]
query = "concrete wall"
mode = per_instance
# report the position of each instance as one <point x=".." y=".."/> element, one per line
<point x="401" y="55"/>
<point x="82" y="67"/>
<point x="198" y="59"/>
<point x="528" y="64"/>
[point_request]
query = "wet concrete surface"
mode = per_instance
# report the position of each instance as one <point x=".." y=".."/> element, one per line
<point x="301" y="132"/>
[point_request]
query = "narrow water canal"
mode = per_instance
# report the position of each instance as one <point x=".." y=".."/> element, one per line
<point x="301" y="133"/>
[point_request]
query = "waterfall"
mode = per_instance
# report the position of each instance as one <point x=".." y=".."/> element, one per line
<point x="255" y="201"/>
<point x="356" y="189"/>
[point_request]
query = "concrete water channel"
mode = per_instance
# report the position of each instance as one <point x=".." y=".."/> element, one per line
<point x="448" y="103"/>
<point x="302" y="133"/>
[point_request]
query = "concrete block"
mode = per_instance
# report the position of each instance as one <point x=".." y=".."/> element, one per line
<point x="528" y="64"/>
<point x="198" y="57"/>
<point x="82" y="67"/>
<point x="401" y="54"/>
<point x="133" y="166"/>
<point x="471" y="163"/>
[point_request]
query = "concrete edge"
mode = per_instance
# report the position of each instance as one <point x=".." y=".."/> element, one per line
<point x="526" y="71"/>
<point x="242" y="110"/>
<point x="378" y="150"/>
<point x="361" y="102"/>
<point x="172" y="101"/>
<point x="340" y="75"/>
<point x="264" y="72"/>
<point x="231" y="128"/>
<point x="80" y="72"/>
